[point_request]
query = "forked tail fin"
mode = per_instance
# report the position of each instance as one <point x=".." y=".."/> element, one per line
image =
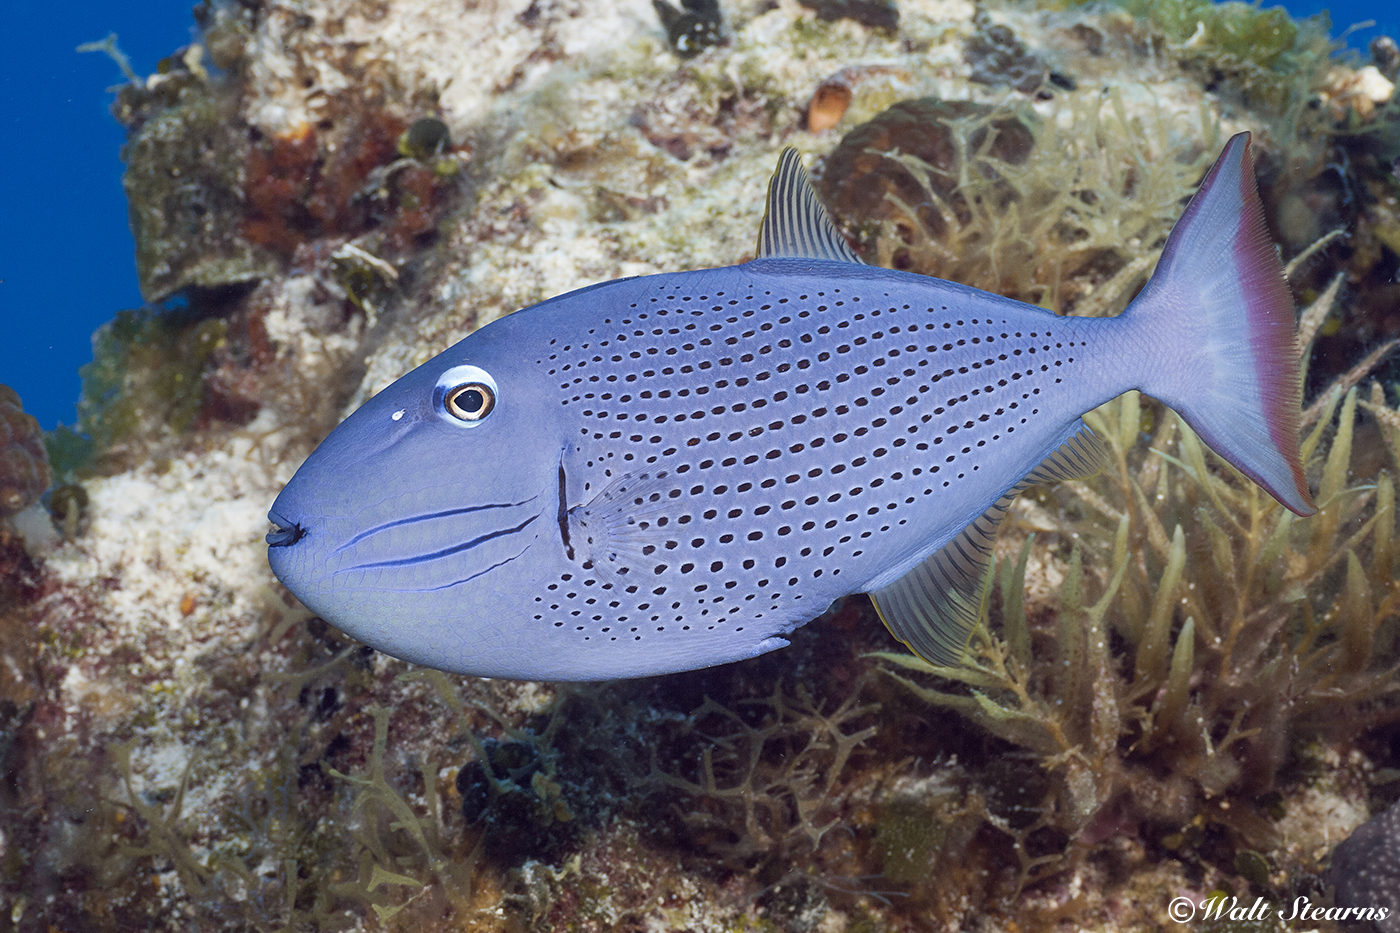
<point x="1218" y="323"/>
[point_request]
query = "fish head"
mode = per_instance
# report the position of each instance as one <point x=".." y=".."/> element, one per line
<point x="428" y="508"/>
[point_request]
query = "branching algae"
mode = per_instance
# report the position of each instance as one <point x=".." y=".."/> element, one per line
<point x="769" y="782"/>
<point x="1058" y="211"/>
<point x="1221" y="632"/>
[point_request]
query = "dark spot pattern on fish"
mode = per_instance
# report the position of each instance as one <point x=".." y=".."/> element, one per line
<point x="743" y="444"/>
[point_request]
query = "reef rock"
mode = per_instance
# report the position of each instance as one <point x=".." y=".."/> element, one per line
<point x="24" y="463"/>
<point x="342" y="189"/>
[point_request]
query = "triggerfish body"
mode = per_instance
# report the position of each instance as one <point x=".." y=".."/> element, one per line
<point x="672" y="471"/>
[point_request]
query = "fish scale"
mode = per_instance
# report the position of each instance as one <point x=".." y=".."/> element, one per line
<point x="668" y="472"/>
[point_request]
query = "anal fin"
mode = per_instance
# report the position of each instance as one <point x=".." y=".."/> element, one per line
<point x="933" y="608"/>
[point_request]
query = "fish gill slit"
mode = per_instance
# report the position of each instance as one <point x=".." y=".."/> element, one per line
<point x="563" y="515"/>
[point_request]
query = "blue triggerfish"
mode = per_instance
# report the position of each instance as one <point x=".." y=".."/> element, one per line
<point x="667" y="472"/>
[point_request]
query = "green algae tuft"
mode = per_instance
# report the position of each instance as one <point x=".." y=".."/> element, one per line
<point x="766" y="785"/>
<point x="1156" y="685"/>
<point x="1258" y="34"/>
<point x="145" y="382"/>
<point x="1271" y="62"/>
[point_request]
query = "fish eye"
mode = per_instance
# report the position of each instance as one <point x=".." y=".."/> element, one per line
<point x="465" y="395"/>
<point x="471" y="401"/>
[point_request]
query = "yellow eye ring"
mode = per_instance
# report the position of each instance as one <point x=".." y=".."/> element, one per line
<point x="464" y="395"/>
<point x="470" y="401"/>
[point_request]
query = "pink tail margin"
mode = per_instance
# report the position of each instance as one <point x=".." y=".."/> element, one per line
<point x="1219" y="325"/>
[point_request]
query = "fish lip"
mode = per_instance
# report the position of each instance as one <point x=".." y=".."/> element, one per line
<point x="284" y="533"/>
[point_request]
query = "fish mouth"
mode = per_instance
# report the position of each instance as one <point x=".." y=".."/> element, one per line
<point x="284" y="533"/>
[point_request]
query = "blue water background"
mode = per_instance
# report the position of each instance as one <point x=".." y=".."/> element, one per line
<point x="66" y="251"/>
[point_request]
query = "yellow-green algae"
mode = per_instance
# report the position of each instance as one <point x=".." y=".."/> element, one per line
<point x="1271" y="60"/>
<point x="1185" y="672"/>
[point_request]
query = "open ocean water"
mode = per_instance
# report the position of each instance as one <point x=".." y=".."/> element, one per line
<point x="66" y="262"/>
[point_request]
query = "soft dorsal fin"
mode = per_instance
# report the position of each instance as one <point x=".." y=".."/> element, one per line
<point x="933" y="608"/>
<point x="795" y="222"/>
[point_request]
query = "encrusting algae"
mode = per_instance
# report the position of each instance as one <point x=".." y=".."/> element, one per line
<point x="1180" y="688"/>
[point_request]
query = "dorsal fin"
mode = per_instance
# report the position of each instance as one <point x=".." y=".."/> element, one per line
<point x="795" y="222"/>
<point x="933" y="608"/>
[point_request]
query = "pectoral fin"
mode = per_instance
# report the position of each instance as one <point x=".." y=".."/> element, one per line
<point x="619" y="532"/>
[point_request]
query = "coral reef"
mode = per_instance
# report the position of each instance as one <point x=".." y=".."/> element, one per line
<point x="24" y="461"/>
<point x="147" y="368"/>
<point x="880" y="14"/>
<point x="67" y="507"/>
<point x="182" y="126"/>
<point x="998" y="58"/>
<point x="1386" y="55"/>
<point x="1180" y="690"/>
<point x="1259" y="56"/>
